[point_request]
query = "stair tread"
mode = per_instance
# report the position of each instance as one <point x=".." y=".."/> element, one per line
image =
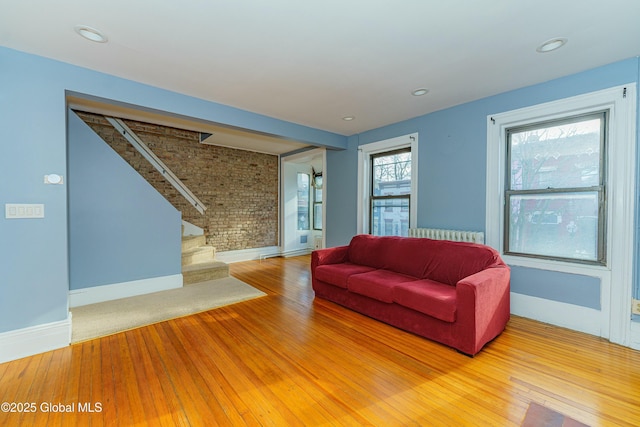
<point x="204" y="265"/>
<point x="198" y="249"/>
<point x="189" y="242"/>
<point x="190" y="237"/>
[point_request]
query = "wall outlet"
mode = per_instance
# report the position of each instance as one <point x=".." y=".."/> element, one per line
<point x="635" y="308"/>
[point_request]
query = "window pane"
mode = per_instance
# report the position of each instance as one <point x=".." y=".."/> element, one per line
<point x="390" y="217"/>
<point x="392" y="174"/>
<point x="561" y="225"/>
<point x="317" y="216"/>
<point x="317" y="181"/>
<point x="303" y="201"/>
<point x="563" y="155"/>
<point x="317" y="207"/>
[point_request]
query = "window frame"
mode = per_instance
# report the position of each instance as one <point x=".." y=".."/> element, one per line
<point x="613" y="321"/>
<point x="364" y="183"/>
<point x="600" y="188"/>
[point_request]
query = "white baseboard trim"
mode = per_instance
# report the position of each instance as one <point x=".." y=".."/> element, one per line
<point x="296" y="252"/>
<point x="85" y="296"/>
<point x="570" y="316"/>
<point x="634" y="338"/>
<point x="258" y="253"/>
<point x="248" y="254"/>
<point x="34" y="340"/>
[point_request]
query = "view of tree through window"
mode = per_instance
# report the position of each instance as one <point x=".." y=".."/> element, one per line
<point x="555" y="194"/>
<point x="390" y="193"/>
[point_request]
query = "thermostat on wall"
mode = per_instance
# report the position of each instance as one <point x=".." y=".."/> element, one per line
<point x="53" y="178"/>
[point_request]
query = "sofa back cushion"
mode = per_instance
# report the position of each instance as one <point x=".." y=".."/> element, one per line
<point x="399" y="254"/>
<point x="440" y="260"/>
<point x="453" y="261"/>
<point x="409" y="255"/>
<point x="369" y="250"/>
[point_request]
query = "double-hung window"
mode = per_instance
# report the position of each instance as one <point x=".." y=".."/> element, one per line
<point x="390" y="196"/>
<point x="561" y="197"/>
<point x="388" y="186"/>
<point x="555" y="190"/>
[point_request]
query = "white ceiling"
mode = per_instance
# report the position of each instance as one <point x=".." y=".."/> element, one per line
<point x="314" y="62"/>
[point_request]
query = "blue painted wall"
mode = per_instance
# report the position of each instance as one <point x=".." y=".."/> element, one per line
<point x="573" y="289"/>
<point x="34" y="261"/>
<point x="340" y="196"/>
<point x="120" y="228"/>
<point x="33" y="252"/>
<point x="452" y="167"/>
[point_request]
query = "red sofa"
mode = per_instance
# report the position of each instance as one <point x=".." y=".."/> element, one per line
<point x="456" y="293"/>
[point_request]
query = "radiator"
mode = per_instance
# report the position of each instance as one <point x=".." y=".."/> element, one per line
<point x="455" y="235"/>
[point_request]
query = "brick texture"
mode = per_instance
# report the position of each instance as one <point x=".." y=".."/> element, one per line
<point x="238" y="187"/>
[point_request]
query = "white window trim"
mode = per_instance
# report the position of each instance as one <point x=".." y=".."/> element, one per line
<point x="365" y="152"/>
<point x="617" y="276"/>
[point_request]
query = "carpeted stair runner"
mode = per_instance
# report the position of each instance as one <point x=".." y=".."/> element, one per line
<point x="199" y="263"/>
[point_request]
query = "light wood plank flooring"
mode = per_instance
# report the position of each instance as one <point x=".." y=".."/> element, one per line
<point x="290" y="360"/>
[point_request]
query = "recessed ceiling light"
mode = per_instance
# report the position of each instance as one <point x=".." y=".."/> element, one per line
<point x="420" y="92"/>
<point x="348" y="118"/>
<point x="551" y="45"/>
<point x="91" y="34"/>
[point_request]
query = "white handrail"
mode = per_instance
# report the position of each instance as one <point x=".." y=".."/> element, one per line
<point x="146" y="152"/>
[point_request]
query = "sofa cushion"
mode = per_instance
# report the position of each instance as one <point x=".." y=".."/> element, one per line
<point x="372" y="251"/>
<point x="377" y="284"/>
<point x="449" y="262"/>
<point x="409" y="255"/>
<point x="337" y="274"/>
<point x="429" y="297"/>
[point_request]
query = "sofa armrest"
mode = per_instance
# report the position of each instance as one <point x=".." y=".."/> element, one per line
<point x="335" y="255"/>
<point x="483" y="301"/>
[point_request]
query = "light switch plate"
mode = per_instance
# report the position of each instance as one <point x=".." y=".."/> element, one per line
<point x="23" y="210"/>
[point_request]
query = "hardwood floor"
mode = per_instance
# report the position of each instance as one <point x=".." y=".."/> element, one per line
<point x="287" y="359"/>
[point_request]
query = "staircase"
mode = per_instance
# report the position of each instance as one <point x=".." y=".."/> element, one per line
<point x="198" y="261"/>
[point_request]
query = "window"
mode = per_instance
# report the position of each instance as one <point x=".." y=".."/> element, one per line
<point x="317" y="203"/>
<point x="555" y="189"/>
<point x="303" y="201"/>
<point x="390" y="192"/>
<point x="616" y="172"/>
<point x="388" y="186"/>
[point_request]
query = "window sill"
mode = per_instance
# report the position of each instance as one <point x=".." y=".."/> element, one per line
<point x="561" y="266"/>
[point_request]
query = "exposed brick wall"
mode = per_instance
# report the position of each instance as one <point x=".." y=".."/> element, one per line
<point x="238" y="187"/>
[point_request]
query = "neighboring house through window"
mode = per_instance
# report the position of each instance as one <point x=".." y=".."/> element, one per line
<point x="555" y="198"/>
<point x="390" y="193"/>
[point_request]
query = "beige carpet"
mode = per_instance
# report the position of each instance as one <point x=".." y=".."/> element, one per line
<point x="106" y="318"/>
